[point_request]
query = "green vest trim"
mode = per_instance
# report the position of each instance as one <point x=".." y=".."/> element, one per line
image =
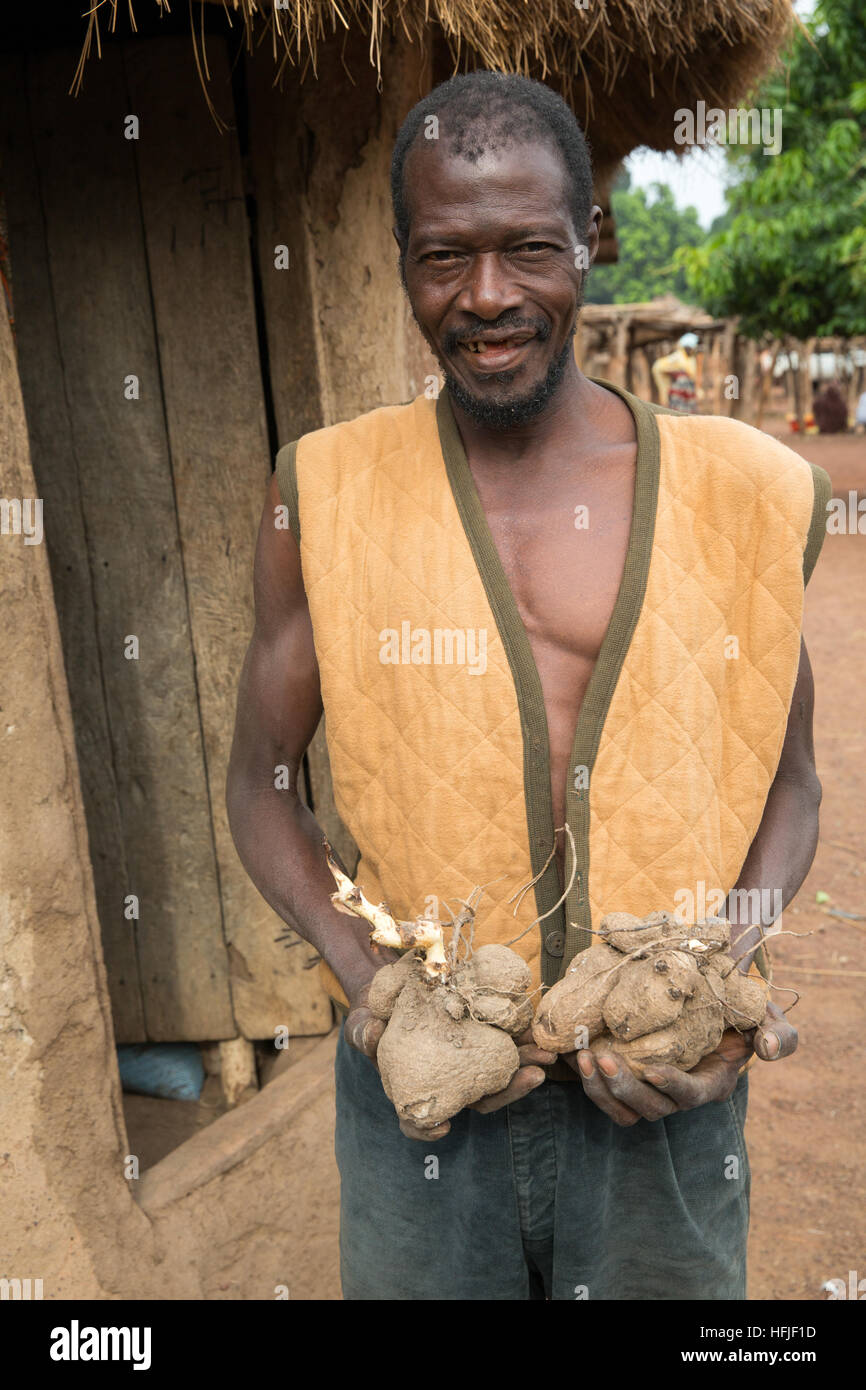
<point x="568" y="929"/>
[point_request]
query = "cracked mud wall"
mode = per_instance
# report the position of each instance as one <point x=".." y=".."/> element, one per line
<point x="66" y="1214"/>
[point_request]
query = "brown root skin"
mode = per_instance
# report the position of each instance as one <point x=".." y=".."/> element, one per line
<point x="664" y="995"/>
<point x="715" y="931"/>
<point x="649" y="994"/>
<point x="627" y="933"/>
<point x="717" y="967"/>
<point x="700" y="1025"/>
<point x="575" y="1002"/>
<point x="746" y="999"/>
<point x="388" y="982"/>
<point x="494" y="984"/>
<point x="433" y="1065"/>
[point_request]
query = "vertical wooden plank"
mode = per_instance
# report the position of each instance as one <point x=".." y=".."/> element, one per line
<point x="619" y="353"/>
<point x="102" y="302"/>
<point x="641" y="378"/>
<point x="199" y="258"/>
<point x="340" y="339"/>
<point x="279" y="175"/>
<point x="279" y="160"/>
<point x="56" y="470"/>
<point x="728" y="367"/>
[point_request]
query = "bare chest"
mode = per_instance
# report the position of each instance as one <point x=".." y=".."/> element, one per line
<point x="563" y="546"/>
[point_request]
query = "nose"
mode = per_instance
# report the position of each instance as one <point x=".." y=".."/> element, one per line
<point x="488" y="289"/>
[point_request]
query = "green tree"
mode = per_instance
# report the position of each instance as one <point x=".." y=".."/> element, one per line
<point x="649" y="229"/>
<point x="792" y="258"/>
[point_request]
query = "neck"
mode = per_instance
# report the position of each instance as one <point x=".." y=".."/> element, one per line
<point x="567" y="410"/>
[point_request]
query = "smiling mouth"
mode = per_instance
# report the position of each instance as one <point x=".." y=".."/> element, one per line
<point x="483" y="347"/>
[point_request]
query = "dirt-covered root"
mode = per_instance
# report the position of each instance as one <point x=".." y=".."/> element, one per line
<point x="649" y="994"/>
<point x="700" y="1025"/>
<point x="432" y="1064"/>
<point x="494" y="983"/>
<point x="664" y="992"/>
<point x="696" y="1031"/>
<point x="388" y="982"/>
<point x="570" y="1015"/>
<point x="746" y="999"/>
<point x="713" y="931"/>
<point x="628" y="933"/>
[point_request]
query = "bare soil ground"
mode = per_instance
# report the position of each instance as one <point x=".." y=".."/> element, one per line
<point x="807" y="1117"/>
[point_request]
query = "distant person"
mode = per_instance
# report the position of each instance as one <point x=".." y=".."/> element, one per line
<point x="860" y="417"/>
<point x="676" y="376"/>
<point x="831" y="409"/>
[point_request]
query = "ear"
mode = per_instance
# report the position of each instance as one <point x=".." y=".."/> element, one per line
<point x="593" y="231"/>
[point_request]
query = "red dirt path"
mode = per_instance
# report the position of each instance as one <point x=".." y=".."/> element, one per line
<point x="807" y="1123"/>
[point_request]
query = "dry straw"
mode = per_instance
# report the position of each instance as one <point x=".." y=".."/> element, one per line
<point x="624" y="65"/>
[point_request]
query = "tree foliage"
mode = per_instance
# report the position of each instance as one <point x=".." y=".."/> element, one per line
<point x="649" y="227"/>
<point x="791" y="258"/>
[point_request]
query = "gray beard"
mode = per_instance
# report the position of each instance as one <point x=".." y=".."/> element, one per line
<point x="518" y="410"/>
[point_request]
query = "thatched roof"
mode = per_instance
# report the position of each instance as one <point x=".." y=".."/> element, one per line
<point x="650" y="321"/>
<point x="625" y="66"/>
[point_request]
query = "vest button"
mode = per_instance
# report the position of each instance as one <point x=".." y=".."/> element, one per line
<point x="555" y="943"/>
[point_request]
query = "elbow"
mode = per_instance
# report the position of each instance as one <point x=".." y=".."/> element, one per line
<point x="805" y="784"/>
<point x="812" y="791"/>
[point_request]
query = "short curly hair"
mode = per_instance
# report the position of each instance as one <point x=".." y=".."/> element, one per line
<point x="490" y="110"/>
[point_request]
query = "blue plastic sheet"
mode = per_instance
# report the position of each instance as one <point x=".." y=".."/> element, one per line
<point x="173" y="1071"/>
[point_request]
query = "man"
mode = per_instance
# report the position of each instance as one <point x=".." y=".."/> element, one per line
<point x="676" y="376"/>
<point x="635" y="582"/>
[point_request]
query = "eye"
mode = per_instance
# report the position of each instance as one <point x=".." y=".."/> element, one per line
<point x="440" y="257"/>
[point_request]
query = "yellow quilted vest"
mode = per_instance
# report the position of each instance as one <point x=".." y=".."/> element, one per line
<point x="434" y="714"/>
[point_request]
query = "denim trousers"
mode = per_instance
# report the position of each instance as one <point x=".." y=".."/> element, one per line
<point x="544" y="1199"/>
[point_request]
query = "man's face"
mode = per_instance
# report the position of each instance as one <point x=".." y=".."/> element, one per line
<point x="491" y="275"/>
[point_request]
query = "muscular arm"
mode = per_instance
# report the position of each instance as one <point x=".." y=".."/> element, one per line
<point x="278" y="709"/>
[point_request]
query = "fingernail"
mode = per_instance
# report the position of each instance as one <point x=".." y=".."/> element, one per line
<point x="772" y="1051"/>
<point x="585" y="1063"/>
<point x="608" y="1066"/>
<point x="654" y="1079"/>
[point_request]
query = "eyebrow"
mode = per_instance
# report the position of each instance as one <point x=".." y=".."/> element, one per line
<point x="533" y="232"/>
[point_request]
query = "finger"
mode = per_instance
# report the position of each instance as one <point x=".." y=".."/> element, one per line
<point x="524" y="1080"/>
<point x="596" y="1088"/>
<point x="713" y="1078"/>
<point x="413" y="1132"/>
<point x="627" y="1088"/>
<point x="364" y="1031"/>
<point x="776" y="1037"/>
<point x="734" y="1046"/>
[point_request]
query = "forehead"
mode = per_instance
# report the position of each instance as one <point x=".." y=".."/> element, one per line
<point x="506" y="185"/>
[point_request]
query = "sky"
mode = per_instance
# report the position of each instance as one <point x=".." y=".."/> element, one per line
<point x="696" y="178"/>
